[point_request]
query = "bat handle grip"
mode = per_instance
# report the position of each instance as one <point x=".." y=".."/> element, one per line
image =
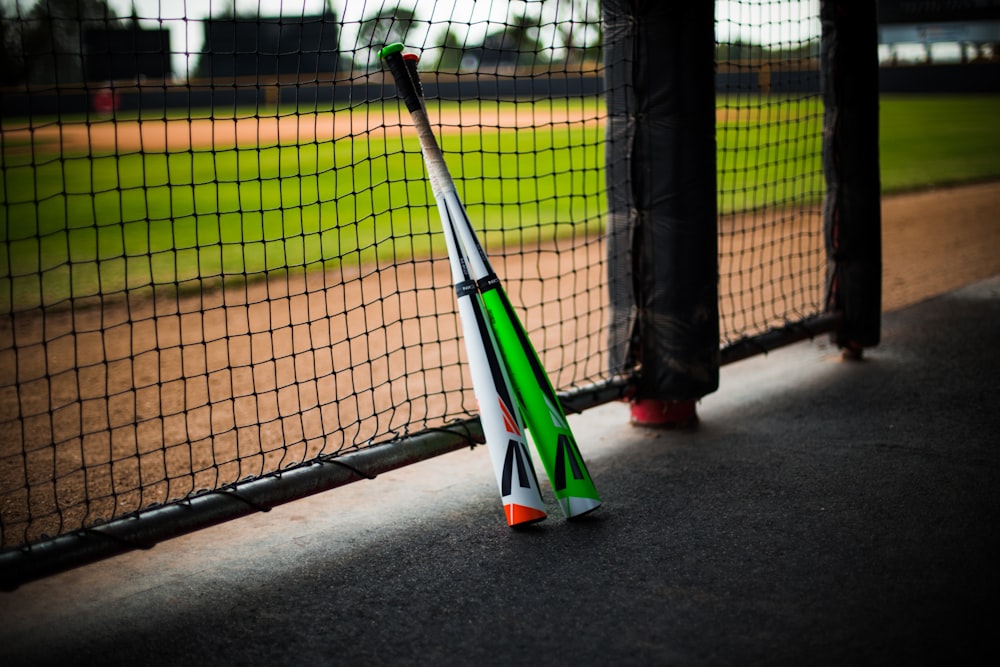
<point x="411" y="59"/>
<point x="406" y="85"/>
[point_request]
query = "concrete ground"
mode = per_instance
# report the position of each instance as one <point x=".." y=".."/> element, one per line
<point x="826" y="512"/>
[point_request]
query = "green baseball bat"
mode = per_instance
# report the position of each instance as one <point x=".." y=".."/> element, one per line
<point x="501" y="420"/>
<point x="547" y="427"/>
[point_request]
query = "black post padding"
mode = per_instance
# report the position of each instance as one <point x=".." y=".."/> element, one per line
<point x="661" y="183"/>
<point x="852" y="211"/>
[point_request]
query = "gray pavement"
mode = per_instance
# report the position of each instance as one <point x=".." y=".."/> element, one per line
<point x="826" y="512"/>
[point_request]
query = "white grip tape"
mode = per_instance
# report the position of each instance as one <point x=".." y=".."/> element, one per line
<point x="437" y="168"/>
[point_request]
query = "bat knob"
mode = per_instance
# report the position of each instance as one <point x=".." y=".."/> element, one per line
<point x="389" y="49"/>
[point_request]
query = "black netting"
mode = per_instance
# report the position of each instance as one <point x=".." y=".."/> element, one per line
<point x="769" y="137"/>
<point x="220" y="257"/>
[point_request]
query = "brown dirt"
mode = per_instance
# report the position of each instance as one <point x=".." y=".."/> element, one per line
<point x="937" y="241"/>
<point x="158" y="135"/>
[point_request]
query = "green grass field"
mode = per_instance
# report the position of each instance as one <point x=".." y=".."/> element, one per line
<point x="927" y="141"/>
<point x="91" y="225"/>
<point x="98" y="224"/>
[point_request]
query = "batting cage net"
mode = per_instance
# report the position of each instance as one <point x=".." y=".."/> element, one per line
<point x="769" y="133"/>
<point x="222" y="261"/>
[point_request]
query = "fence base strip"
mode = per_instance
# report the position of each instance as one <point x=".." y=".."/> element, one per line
<point x="146" y="528"/>
<point x="775" y="338"/>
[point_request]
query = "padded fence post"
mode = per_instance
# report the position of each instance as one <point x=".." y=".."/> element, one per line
<point x="661" y="184"/>
<point x="852" y="211"/>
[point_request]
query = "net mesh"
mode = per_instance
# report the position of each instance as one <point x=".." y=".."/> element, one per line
<point x="770" y="176"/>
<point x="221" y="258"/>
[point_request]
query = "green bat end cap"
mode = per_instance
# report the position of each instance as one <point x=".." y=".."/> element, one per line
<point x="389" y="50"/>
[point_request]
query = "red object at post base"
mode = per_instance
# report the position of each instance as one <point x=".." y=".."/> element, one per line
<point x="664" y="413"/>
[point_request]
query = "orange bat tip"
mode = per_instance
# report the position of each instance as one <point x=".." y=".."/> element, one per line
<point x="522" y="515"/>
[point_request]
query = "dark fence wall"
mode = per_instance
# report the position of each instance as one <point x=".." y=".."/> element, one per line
<point x="50" y="102"/>
<point x="956" y="78"/>
<point x="972" y="78"/>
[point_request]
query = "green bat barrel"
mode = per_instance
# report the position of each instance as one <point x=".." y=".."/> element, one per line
<point x="540" y="407"/>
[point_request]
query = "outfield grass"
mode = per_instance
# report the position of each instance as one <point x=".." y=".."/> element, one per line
<point x="99" y="224"/>
<point x="928" y="141"/>
<point x="92" y="225"/>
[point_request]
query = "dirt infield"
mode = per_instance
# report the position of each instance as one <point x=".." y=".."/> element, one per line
<point x="106" y="410"/>
<point x="938" y="240"/>
<point x="158" y="134"/>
